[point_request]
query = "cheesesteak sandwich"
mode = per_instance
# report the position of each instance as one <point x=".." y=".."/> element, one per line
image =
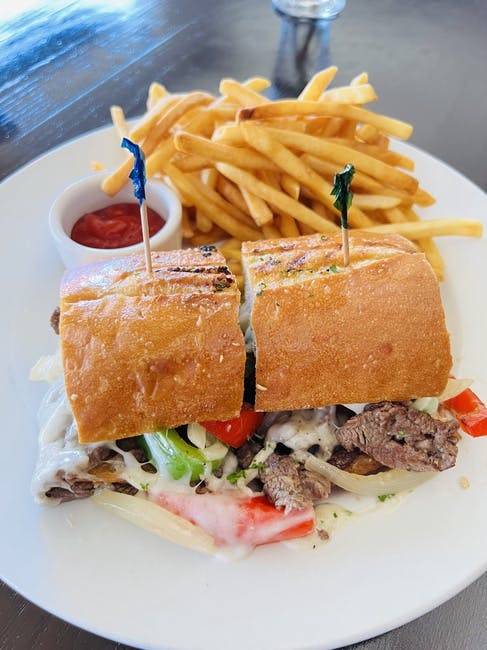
<point x="346" y="371"/>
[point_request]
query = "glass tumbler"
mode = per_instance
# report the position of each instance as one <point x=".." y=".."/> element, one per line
<point x="327" y="9"/>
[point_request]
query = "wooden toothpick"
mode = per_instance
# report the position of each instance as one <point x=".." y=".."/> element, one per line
<point x="138" y="179"/>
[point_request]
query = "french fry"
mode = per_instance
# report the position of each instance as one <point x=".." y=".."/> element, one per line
<point x="433" y="255"/>
<point x="209" y="178"/>
<point x="362" y="78"/>
<point x="160" y="108"/>
<point x="241" y="94"/>
<point x="114" y="183"/>
<point x="220" y="217"/>
<point x="394" y="127"/>
<point x="319" y="208"/>
<point x="333" y="127"/>
<point x="317" y="84"/>
<point x="432" y="228"/>
<point x="429" y="247"/>
<point x="155" y="162"/>
<point x="235" y="267"/>
<point x="258" y="84"/>
<point x="258" y="208"/>
<point x="118" y="119"/>
<point x="214" y="197"/>
<point x="218" y="152"/>
<point x="285" y="222"/>
<point x="233" y="195"/>
<point x="156" y="91"/>
<point x="360" y="94"/>
<point x="270" y="232"/>
<point x="230" y="253"/>
<point x="423" y="198"/>
<point x="281" y="201"/>
<point x="189" y="163"/>
<point x="288" y="226"/>
<point x="174" y="113"/>
<point x="186" y="226"/>
<point x="290" y="185"/>
<point x="261" y="140"/>
<point x="368" y="133"/>
<point x="375" y="201"/>
<point x="203" y="238"/>
<point x="360" y="181"/>
<point x="341" y="154"/>
<point x="389" y="157"/>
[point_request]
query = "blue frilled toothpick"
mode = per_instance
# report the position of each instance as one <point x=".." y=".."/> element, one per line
<point x="137" y="175"/>
<point x="341" y="190"/>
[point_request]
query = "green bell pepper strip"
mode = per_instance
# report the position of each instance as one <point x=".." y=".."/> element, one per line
<point x="170" y="453"/>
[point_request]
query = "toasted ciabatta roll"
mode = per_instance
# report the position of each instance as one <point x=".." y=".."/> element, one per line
<point x="326" y="334"/>
<point x="141" y="351"/>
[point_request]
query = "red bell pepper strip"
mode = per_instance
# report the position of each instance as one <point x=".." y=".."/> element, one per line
<point x="232" y="520"/>
<point x="470" y="411"/>
<point x="236" y="431"/>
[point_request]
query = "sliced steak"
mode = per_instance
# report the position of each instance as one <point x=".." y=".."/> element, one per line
<point x="282" y="485"/>
<point x="100" y="454"/>
<point x="245" y="454"/>
<point x="354" y="461"/>
<point x="124" y="488"/>
<point x="60" y="493"/>
<point x="315" y="486"/>
<point x="81" y="488"/>
<point x="400" y="436"/>
<point x="55" y="316"/>
<point x="288" y="485"/>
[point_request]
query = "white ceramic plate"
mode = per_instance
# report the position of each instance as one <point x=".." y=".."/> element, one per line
<point x="103" y="575"/>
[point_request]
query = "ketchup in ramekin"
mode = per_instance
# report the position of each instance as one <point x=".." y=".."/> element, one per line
<point x="115" y="226"/>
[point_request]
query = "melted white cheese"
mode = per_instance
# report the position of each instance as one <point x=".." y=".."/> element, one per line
<point x="303" y="429"/>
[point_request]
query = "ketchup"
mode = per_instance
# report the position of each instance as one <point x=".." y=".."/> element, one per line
<point x="115" y="226"/>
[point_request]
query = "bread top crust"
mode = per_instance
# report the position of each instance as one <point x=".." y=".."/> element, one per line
<point x="327" y="334"/>
<point x="142" y="352"/>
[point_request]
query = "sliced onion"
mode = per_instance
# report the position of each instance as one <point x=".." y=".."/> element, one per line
<point x="454" y="387"/>
<point x="426" y="404"/>
<point x="197" y="435"/>
<point x="389" y="482"/>
<point x="47" y="368"/>
<point x="156" y="519"/>
<point x="216" y="451"/>
<point x="200" y="437"/>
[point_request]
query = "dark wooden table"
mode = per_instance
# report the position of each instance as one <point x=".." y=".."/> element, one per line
<point x="63" y="63"/>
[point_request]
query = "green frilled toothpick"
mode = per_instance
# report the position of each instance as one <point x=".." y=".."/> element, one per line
<point x="341" y="190"/>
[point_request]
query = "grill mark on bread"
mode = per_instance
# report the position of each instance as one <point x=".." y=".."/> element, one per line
<point x="195" y="269"/>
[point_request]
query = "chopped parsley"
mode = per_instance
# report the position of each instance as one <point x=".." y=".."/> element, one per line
<point x="234" y="476"/>
<point x="220" y="286"/>
<point x="385" y="497"/>
<point x="260" y="290"/>
<point x="144" y="486"/>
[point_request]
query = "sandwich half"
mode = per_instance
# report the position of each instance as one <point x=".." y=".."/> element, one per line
<point x="145" y="351"/>
<point x="328" y="334"/>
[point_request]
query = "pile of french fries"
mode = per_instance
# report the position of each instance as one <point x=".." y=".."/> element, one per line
<point x="247" y="168"/>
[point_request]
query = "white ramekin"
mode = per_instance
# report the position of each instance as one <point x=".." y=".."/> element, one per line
<point x="86" y="195"/>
